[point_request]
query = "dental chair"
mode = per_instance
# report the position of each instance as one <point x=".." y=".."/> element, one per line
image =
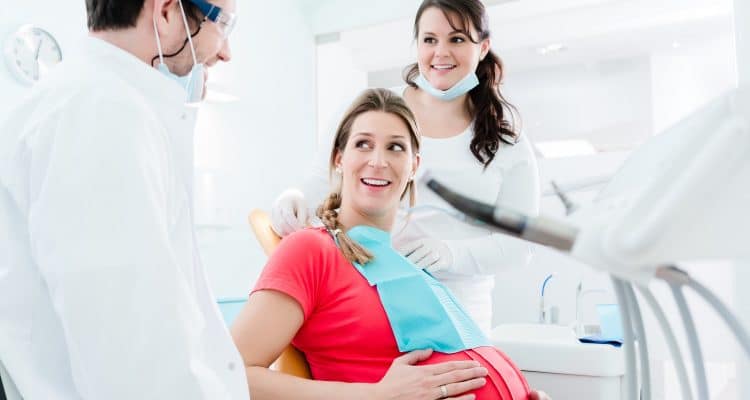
<point x="291" y="361"/>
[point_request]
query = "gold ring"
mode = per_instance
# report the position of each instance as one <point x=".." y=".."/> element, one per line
<point x="443" y="391"/>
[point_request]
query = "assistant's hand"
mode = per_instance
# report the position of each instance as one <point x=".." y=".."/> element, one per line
<point x="429" y="254"/>
<point x="289" y="212"/>
<point x="538" y="395"/>
<point x="406" y="381"/>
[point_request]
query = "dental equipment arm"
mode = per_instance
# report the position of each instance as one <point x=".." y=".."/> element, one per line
<point x="539" y="230"/>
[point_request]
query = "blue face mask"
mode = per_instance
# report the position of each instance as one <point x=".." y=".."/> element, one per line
<point x="461" y="87"/>
<point x="193" y="81"/>
<point x="422" y="312"/>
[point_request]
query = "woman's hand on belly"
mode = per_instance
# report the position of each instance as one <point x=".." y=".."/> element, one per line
<point x="449" y="380"/>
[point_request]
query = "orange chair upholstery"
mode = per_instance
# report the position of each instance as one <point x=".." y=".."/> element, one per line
<point x="291" y="361"/>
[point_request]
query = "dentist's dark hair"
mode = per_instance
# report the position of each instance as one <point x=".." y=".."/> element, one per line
<point x="382" y="100"/>
<point x="105" y="15"/>
<point x="493" y="116"/>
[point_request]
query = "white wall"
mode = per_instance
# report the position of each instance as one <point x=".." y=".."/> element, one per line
<point x="686" y="77"/>
<point x="326" y="16"/>
<point x="338" y="81"/>
<point x="260" y="145"/>
<point x="605" y="102"/>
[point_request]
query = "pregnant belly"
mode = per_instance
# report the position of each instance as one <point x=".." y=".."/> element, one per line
<point x="504" y="381"/>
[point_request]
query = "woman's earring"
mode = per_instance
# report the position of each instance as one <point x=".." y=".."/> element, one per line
<point x="338" y="169"/>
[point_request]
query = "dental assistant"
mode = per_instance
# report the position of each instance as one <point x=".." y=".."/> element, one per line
<point x="104" y="295"/>
<point x="469" y="143"/>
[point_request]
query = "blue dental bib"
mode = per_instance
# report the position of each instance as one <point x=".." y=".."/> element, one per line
<point x="423" y="313"/>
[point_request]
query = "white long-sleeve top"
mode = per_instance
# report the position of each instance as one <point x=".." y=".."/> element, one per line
<point x="511" y="180"/>
<point x="103" y="293"/>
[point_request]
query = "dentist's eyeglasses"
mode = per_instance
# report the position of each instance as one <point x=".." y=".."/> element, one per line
<point x="225" y="20"/>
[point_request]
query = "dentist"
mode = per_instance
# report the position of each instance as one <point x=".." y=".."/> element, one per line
<point x="103" y="293"/>
<point x="470" y="143"/>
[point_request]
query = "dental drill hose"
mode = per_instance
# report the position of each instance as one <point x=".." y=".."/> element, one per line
<point x="534" y="229"/>
<point x="640" y="329"/>
<point x="669" y="337"/>
<point x="628" y="345"/>
<point x="701" y="381"/>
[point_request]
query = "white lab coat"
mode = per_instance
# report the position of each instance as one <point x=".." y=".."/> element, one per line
<point x="103" y="294"/>
<point x="511" y="180"/>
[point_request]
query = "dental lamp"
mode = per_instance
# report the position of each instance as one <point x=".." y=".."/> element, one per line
<point x="682" y="196"/>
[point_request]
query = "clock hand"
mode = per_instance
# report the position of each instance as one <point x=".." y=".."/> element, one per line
<point x="36" y="59"/>
<point x="36" y="53"/>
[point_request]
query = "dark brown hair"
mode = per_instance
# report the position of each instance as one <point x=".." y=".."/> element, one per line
<point x="493" y="116"/>
<point x="118" y="14"/>
<point x="370" y="100"/>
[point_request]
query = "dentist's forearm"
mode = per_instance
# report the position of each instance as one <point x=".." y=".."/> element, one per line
<point x="266" y="384"/>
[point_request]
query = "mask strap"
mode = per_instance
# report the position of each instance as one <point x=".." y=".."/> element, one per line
<point x="187" y="30"/>
<point x="158" y="43"/>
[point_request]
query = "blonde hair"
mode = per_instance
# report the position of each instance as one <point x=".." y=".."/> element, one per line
<point x="370" y="100"/>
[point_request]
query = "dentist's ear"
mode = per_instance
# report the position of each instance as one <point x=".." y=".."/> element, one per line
<point x="165" y="14"/>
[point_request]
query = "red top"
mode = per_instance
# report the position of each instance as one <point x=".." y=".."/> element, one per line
<point x="346" y="335"/>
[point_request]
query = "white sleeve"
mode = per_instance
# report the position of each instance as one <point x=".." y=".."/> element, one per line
<point x="519" y="191"/>
<point x="100" y="222"/>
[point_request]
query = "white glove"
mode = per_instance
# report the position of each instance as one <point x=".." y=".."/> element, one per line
<point x="289" y="212"/>
<point x="429" y="254"/>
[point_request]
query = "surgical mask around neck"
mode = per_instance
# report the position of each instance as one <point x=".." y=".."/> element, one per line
<point x="193" y="81"/>
<point x="461" y="87"/>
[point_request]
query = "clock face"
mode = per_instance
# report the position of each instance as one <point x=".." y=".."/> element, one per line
<point x="31" y="52"/>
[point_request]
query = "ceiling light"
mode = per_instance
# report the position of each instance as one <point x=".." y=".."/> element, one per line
<point x="551" y="48"/>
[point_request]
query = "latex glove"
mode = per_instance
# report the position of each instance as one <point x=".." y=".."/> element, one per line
<point x="429" y="254"/>
<point x="289" y="212"/>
